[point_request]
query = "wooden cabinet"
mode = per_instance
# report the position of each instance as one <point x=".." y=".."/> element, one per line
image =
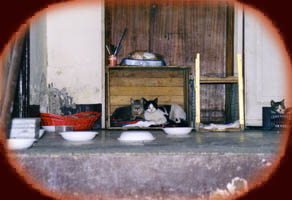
<point x="169" y="83"/>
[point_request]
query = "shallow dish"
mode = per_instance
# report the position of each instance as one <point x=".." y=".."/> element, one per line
<point x="137" y="62"/>
<point x="136" y="136"/>
<point x="20" y="143"/>
<point x="177" y="131"/>
<point x="41" y="133"/>
<point x="49" y="128"/>
<point x="78" y="136"/>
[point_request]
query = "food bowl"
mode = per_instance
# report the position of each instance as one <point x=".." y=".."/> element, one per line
<point x="49" y="128"/>
<point x="41" y="133"/>
<point x="177" y="131"/>
<point x="20" y="143"/>
<point x="78" y="136"/>
<point x="136" y="136"/>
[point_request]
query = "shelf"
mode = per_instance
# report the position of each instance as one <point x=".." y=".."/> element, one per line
<point x="217" y="80"/>
<point x="148" y="67"/>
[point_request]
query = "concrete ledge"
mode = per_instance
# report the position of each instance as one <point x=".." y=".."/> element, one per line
<point x="143" y="175"/>
<point x="167" y="168"/>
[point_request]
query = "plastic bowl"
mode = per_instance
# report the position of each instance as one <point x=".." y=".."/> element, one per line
<point x="49" y="128"/>
<point x="20" y="143"/>
<point x="41" y="133"/>
<point x="136" y="136"/>
<point x="78" y="136"/>
<point x="177" y="131"/>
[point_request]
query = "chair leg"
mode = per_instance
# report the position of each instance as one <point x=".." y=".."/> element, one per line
<point x="197" y="89"/>
<point x="240" y="91"/>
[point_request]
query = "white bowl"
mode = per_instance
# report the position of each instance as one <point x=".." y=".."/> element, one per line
<point x="136" y="136"/>
<point x="41" y="133"/>
<point x="78" y="136"/>
<point x="177" y="131"/>
<point x="20" y="143"/>
<point x="49" y="128"/>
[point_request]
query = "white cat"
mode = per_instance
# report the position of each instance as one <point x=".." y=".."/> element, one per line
<point x="164" y="114"/>
<point x="151" y="112"/>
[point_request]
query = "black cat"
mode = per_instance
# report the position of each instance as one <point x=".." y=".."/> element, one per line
<point x="168" y="115"/>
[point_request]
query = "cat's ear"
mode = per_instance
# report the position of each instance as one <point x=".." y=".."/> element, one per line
<point x="143" y="100"/>
<point x="131" y="100"/>
<point x="272" y="103"/>
<point x="155" y="100"/>
<point x="283" y="102"/>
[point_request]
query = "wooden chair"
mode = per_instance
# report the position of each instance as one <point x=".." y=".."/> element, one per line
<point x="215" y="80"/>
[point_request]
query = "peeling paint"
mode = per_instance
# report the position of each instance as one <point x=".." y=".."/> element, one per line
<point x="58" y="99"/>
<point x="236" y="186"/>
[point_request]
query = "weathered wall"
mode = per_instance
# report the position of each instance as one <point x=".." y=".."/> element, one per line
<point x="38" y="61"/>
<point x="75" y="51"/>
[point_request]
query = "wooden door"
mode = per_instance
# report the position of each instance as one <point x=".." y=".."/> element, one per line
<point x="177" y="30"/>
<point x="265" y="70"/>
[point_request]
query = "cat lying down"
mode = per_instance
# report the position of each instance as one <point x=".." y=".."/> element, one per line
<point x="147" y="113"/>
<point x="162" y="115"/>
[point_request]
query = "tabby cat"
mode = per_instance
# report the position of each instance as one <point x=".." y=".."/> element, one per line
<point x="131" y="112"/>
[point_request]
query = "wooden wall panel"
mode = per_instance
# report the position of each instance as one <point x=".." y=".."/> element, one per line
<point x="167" y="33"/>
<point x="148" y="74"/>
<point x="177" y="31"/>
<point x="132" y="91"/>
<point x="135" y="17"/>
<point x="125" y="100"/>
<point x="147" y="82"/>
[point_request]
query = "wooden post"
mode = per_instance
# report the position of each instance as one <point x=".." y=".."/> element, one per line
<point x="240" y="91"/>
<point x="8" y="89"/>
<point x="197" y="89"/>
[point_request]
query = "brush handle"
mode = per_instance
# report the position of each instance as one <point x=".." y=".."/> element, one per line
<point x="109" y="52"/>
<point x="120" y="41"/>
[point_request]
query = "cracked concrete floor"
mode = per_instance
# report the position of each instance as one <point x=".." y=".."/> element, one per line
<point x="168" y="168"/>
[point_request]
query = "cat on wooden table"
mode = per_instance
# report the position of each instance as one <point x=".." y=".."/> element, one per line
<point x="131" y="112"/>
<point x="168" y="114"/>
<point x="144" y="55"/>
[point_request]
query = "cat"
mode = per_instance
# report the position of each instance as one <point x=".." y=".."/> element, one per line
<point x="168" y="114"/>
<point x="137" y="108"/>
<point x="278" y="107"/>
<point x="153" y="113"/>
<point x="132" y="112"/>
<point x="144" y="55"/>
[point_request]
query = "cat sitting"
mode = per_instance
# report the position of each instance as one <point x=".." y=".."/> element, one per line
<point x="278" y="107"/>
<point x="162" y="115"/>
<point x="131" y="112"/>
